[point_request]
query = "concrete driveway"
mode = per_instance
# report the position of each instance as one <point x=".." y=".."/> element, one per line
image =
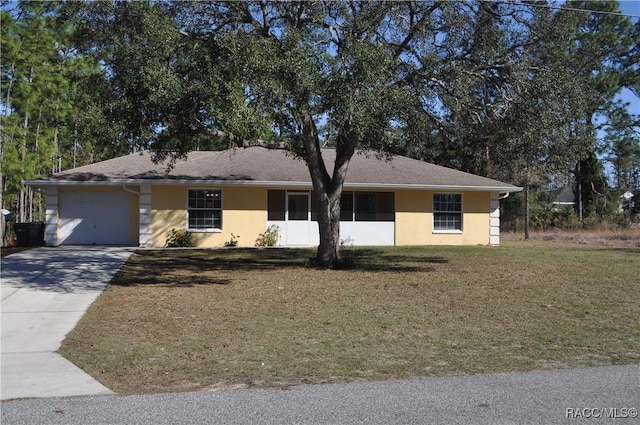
<point x="45" y="292"/>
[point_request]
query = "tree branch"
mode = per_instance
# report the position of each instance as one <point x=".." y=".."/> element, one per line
<point x="236" y="141"/>
<point x="413" y="26"/>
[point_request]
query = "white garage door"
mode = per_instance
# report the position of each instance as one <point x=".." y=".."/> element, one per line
<point x="93" y="218"/>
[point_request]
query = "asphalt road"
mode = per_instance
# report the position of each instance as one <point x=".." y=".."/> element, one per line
<point x="607" y="395"/>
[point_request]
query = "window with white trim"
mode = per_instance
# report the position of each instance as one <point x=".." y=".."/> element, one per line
<point x="447" y="212"/>
<point x="204" y="209"/>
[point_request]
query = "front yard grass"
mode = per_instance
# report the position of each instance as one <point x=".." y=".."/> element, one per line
<point x="179" y="320"/>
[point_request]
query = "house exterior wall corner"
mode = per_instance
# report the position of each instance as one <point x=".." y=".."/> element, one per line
<point x="51" y="217"/>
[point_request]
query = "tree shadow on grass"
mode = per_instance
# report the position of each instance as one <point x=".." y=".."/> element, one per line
<point x="191" y="267"/>
<point x="372" y="260"/>
<point x="629" y="249"/>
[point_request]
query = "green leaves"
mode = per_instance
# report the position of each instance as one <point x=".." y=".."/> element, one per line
<point x="491" y="88"/>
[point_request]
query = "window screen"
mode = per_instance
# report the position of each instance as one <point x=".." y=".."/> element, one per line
<point x="205" y="209"/>
<point x="447" y="211"/>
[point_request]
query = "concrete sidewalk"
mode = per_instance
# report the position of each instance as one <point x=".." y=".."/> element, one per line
<point x="45" y="292"/>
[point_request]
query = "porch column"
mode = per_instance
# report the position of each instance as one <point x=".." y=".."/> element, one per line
<point x="144" y="230"/>
<point x="494" y="219"/>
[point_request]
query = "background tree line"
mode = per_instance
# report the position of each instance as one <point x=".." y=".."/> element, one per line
<point x="519" y="91"/>
<point x="54" y="108"/>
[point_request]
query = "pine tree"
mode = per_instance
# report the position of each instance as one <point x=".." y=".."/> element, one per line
<point x="42" y="81"/>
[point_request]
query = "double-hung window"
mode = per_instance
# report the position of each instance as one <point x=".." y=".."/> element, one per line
<point x="205" y="209"/>
<point x="447" y="212"/>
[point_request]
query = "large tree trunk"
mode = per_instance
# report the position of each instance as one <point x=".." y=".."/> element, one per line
<point x="328" y="189"/>
<point x="329" y="226"/>
<point x="579" y="190"/>
<point x="527" y="212"/>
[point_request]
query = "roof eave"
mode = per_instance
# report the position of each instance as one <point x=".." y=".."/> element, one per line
<point x="171" y="182"/>
<point x="435" y="187"/>
<point x="256" y="183"/>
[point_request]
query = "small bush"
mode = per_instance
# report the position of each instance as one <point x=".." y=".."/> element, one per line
<point x="565" y="218"/>
<point x="269" y="237"/>
<point x="233" y="241"/>
<point x="178" y="239"/>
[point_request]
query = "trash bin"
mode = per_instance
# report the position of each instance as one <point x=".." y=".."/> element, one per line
<point x="22" y="233"/>
<point x="29" y="234"/>
<point x="36" y="233"/>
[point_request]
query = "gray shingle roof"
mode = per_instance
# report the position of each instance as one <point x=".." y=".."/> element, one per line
<point x="266" y="167"/>
<point x="565" y="196"/>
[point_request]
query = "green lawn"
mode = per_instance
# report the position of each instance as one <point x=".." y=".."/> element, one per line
<point x="176" y="320"/>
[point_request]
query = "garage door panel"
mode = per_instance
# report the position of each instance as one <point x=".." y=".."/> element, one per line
<point x="88" y="218"/>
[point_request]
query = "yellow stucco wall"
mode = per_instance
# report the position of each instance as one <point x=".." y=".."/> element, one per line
<point x="243" y="214"/>
<point x="414" y="219"/>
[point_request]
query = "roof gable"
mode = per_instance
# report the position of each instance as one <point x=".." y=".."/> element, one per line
<point x="565" y="196"/>
<point x="261" y="166"/>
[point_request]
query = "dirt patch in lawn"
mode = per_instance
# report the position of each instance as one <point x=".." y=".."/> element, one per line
<point x="177" y="320"/>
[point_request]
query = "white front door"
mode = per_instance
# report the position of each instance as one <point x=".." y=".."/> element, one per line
<point x="298" y="218"/>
